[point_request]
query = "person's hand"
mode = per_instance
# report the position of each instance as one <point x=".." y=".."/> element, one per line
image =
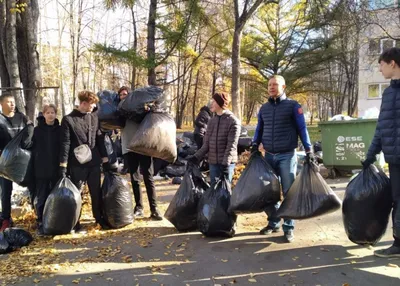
<point x="225" y="171"/>
<point x="310" y="158"/>
<point x="62" y="172"/>
<point x="367" y="162"/>
<point x="107" y="167"/>
<point x="193" y="160"/>
<point x="254" y="148"/>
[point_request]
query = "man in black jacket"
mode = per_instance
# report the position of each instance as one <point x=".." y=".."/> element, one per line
<point x="11" y="123"/>
<point x="81" y="127"/>
<point x="201" y="125"/>
<point x="387" y="139"/>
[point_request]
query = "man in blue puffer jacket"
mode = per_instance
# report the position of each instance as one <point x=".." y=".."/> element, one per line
<point x="387" y="139"/>
<point x="280" y="123"/>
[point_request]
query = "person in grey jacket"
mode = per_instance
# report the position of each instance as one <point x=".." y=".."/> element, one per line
<point x="387" y="139"/>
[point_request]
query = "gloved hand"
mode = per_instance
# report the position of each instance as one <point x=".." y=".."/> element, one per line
<point x="107" y="167"/>
<point x="62" y="172"/>
<point x="225" y="171"/>
<point x="254" y="148"/>
<point x="310" y="158"/>
<point x="367" y="162"/>
<point x="193" y="160"/>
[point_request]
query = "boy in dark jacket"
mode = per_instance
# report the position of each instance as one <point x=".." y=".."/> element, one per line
<point x="387" y="139"/>
<point x="11" y="123"/>
<point x="201" y="125"/>
<point x="46" y="150"/>
<point x="81" y="127"/>
<point x="220" y="140"/>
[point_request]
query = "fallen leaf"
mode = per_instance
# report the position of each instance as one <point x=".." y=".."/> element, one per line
<point x="224" y="260"/>
<point x="346" y="284"/>
<point x="337" y="259"/>
<point x="155" y="280"/>
<point x="75" y="281"/>
<point x="315" y="272"/>
<point x="283" y="274"/>
<point x="353" y="262"/>
<point x="36" y="281"/>
<point x="393" y="265"/>
<point x="233" y="281"/>
<point x="252" y="280"/>
<point x="110" y="279"/>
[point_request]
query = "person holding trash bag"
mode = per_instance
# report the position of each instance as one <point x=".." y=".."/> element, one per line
<point x="139" y="163"/>
<point x="387" y="139"/>
<point x="83" y="150"/>
<point x="11" y="123"/>
<point x="123" y="93"/>
<point x="280" y="122"/>
<point x="200" y="123"/>
<point x="221" y="140"/>
<point x="46" y="151"/>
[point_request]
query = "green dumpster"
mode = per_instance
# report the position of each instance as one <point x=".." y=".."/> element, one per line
<point x="345" y="144"/>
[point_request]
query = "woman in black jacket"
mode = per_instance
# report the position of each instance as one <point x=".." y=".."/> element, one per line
<point x="46" y="150"/>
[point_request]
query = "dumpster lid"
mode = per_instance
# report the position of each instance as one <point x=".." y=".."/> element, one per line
<point x="354" y="121"/>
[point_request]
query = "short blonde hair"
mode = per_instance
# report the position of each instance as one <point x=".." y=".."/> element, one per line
<point x="278" y="78"/>
<point x="47" y="107"/>
<point x="88" y="96"/>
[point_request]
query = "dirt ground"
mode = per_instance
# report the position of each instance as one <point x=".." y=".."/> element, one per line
<point x="154" y="253"/>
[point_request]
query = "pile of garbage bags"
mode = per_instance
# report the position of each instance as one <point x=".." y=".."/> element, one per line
<point x="62" y="208"/>
<point x="14" y="238"/>
<point x="107" y="110"/>
<point x="366" y="206"/>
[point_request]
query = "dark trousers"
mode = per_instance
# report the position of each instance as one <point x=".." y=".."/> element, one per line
<point x="42" y="192"/>
<point x="198" y="139"/>
<point x="394" y="171"/>
<point x="143" y="163"/>
<point x="91" y="176"/>
<point x="6" y="190"/>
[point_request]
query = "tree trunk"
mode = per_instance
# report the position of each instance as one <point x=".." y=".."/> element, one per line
<point x="196" y="91"/>
<point x="235" y="89"/>
<point x="151" y="43"/>
<point x="12" y="54"/>
<point x="135" y="44"/>
<point x="4" y="76"/>
<point x="214" y="76"/>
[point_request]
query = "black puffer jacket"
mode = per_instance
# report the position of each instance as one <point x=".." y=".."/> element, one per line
<point x="11" y="126"/>
<point x="74" y="132"/>
<point x="202" y="120"/>
<point x="46" y="149"/>
<point x="387" y="133"/>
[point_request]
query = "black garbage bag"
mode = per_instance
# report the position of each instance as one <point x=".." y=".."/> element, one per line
<point x="182" y="211"/>
<point x="109" y="116"/>
<point x="16" y="162"/>
<point x="257" y="187"/>
<point x="109" y="144"/>
<point x="118" y="147"/>
<point x="213" y="218"/>
<point x="117" y="201"/>
<point x="366" y="206"/>
<point x="62" y="208"/>
<point x="156" y="137"/>
<point x="190" y="136"/>
<point x="244" y="144"/>
<point x="243" y="132"/>
<point x="176" y="181"/>
<point x="309" y="196"/>
<point x="4" y="246"/>
<point x="174" y="171"/>
<point x="17" y="238"/>
<point x="158" y="165"/>
<point x="138" y="101"/>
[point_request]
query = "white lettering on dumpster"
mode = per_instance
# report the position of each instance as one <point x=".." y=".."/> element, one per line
<point x="349" y="146"/>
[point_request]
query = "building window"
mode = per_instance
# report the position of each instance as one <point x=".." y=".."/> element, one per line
<point x="376" y="90"/>
<point x="382" y="4"/>
<point x="377" y="46"/>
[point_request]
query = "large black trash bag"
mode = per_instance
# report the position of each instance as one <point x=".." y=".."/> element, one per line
<point x="108" y="113"/>
<point x="244" y="144"/>
<point x="213" y="217"/>
<point x="309" y="196"/>
<point x="109" y="144"/>
<point x="257" y="187"/>
<point x="182" y="211"/>
<point x="118" y="147"/>
<point x="4" y="246"/>
<point x="117" y="201"/>
<point x="135" y="105"/>
<point x="62" y="208"/>
<point x="174" y="171"/>
<point x="17" y="238"/>
<point x="244" y="132"/>
<point x="158" y="165"/>
<point x="16" y="162"/>
<point x="156" y="137"/>
<point x="366" y="206"/>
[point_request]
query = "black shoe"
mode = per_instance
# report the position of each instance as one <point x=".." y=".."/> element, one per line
<point x="79" y="229"/>
<point x="289" y="235"/>
<point x="268" y="230"/>
<point x="393" y="251"/>
<point x="138" y="213"/>
<point x="155" y="215"/>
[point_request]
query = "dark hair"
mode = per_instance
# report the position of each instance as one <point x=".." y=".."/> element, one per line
<point x="122" y="88"/>
<point x="88" y="96"/>
<point x="392" y="54"/>
<point x="5" y="94"/>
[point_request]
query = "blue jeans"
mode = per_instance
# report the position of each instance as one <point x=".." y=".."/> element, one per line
<point x="285" y="166"/>
<point x="216" y="172"/>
